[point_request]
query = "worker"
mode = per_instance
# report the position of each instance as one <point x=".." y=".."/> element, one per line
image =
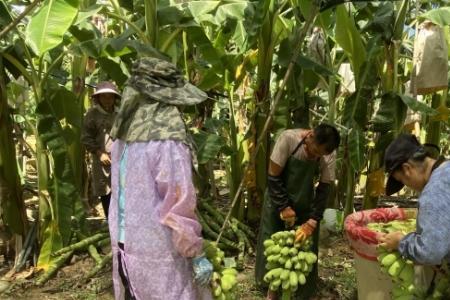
<point x="95" y="137"/>
<point x="299" y="155"/>
<point x="155" y="235"/>
<point x="408" y="163"/>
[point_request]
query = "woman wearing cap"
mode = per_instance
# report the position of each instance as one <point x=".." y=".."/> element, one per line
<point x="408" y="163"/>
<point x="155" y="236"/>
<point x="95" y="137"/>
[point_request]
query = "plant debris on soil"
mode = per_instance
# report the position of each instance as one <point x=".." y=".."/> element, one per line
<point x="336" y="272"/>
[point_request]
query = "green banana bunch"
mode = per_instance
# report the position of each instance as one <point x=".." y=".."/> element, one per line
<point x="442" y="287"/>
<point x="404" y="226"/>
<point x="223" y="283"/>
<point x="401" y="272"/>
<point x="288" y="263"/>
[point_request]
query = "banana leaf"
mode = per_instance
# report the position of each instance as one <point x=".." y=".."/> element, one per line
<point x="5" y="16"/>
<point x="390" y="115"/>
<point x="208" y="146"/>
<point x="11" y="201"/>
<point x="356" y="147"/>
<point x="62" y="183"/>
<point x="439" y="16"/>
<point x="48" y="26"/>
<point x="349" y="38"/>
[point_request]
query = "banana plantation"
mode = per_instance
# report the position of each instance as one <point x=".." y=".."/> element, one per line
<point x="371" y="69"/>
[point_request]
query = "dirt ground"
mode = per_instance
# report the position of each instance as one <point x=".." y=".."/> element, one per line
<point x="336" y="270"/>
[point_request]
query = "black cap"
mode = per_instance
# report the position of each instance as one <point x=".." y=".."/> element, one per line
<point x="404" y="147"/>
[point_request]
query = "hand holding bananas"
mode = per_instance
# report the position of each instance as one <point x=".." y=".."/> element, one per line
<point x="202" y="269"/>
<point x="288" y="216"/>
<point x="223" y="283"/>
<point x="391" y="240"/>
<point x="305" y="230"/>
<point x="400" y="269"/>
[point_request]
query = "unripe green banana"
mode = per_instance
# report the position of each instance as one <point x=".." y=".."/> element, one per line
<point x="290" y="241"/>
<point x="276" y="249"/>
<point x="217" y="291"/>
<point x="288" y="264"/>
<point x="268" y="243"/>
<point x="407" y="274"/>
<point x="229" y="271"/>
<point x="389" y="259"/>
<point x="396" y="267"/>
<point x="310" y="258"/>
<point x="305" y="267"/>
<point x="284" y="275"/>
<point x="273" y="258"/>
<point x="301" y="278"/>
<point x="293" y="252"/>
<point x="285" y="251"/>
<point x="301" y="255"/>
<point x="274" y="285"/>
<point x="286" y="284"/>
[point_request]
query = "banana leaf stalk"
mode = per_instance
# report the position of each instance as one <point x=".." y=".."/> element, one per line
<point x="221" y="219"/>
<point x="104" y="261"/>
<point x="82" y="244"/>
<point x="213" y="235"/>
<point x="104" y="242"/>
<point x="216" y="227"/>
<point x="54" y="267"/>
<point x="91" y="249"/>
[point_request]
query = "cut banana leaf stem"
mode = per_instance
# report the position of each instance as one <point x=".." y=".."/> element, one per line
<point x="91" y="249"/>
<point x="104" y="242"/>
<point x="212" y="211"/>
<point x="212" y="234"/>
<point x="104" y="261"/>
<point x="220" y="217"/>
<point x="216" y="227"/>
<point x="54" y="267"/>
<point x="82" y="244"/>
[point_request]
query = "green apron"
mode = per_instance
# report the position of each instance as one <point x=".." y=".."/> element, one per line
<point x="298" y="176"/>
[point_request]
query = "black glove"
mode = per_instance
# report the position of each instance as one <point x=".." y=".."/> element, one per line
<point x="277" y="192"/>
<point x="320" y="201"/>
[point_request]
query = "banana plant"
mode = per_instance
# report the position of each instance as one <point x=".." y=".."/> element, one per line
<point x="12" y="204"/>
<point x="56" y="184"/>
<point x="389" y="23"/>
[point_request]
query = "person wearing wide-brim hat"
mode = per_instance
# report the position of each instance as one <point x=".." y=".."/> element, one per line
<point x="155" y="235"/>
<point x="408" y="163"/>
<point x="95" y="137"/>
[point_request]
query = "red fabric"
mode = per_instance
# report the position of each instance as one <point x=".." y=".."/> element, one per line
<point x="363" y="240"/>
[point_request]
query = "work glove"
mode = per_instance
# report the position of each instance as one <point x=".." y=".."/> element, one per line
<point x="288" y="216"/>
<point x="305" y="230"/>
<point x="203" y="269"/>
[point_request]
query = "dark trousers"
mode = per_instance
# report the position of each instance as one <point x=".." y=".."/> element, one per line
<point x="123" y="276"/>
<point x="105" y="203"/>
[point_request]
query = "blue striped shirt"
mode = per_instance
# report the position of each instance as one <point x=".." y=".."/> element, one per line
<point x="430" y="244"/>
